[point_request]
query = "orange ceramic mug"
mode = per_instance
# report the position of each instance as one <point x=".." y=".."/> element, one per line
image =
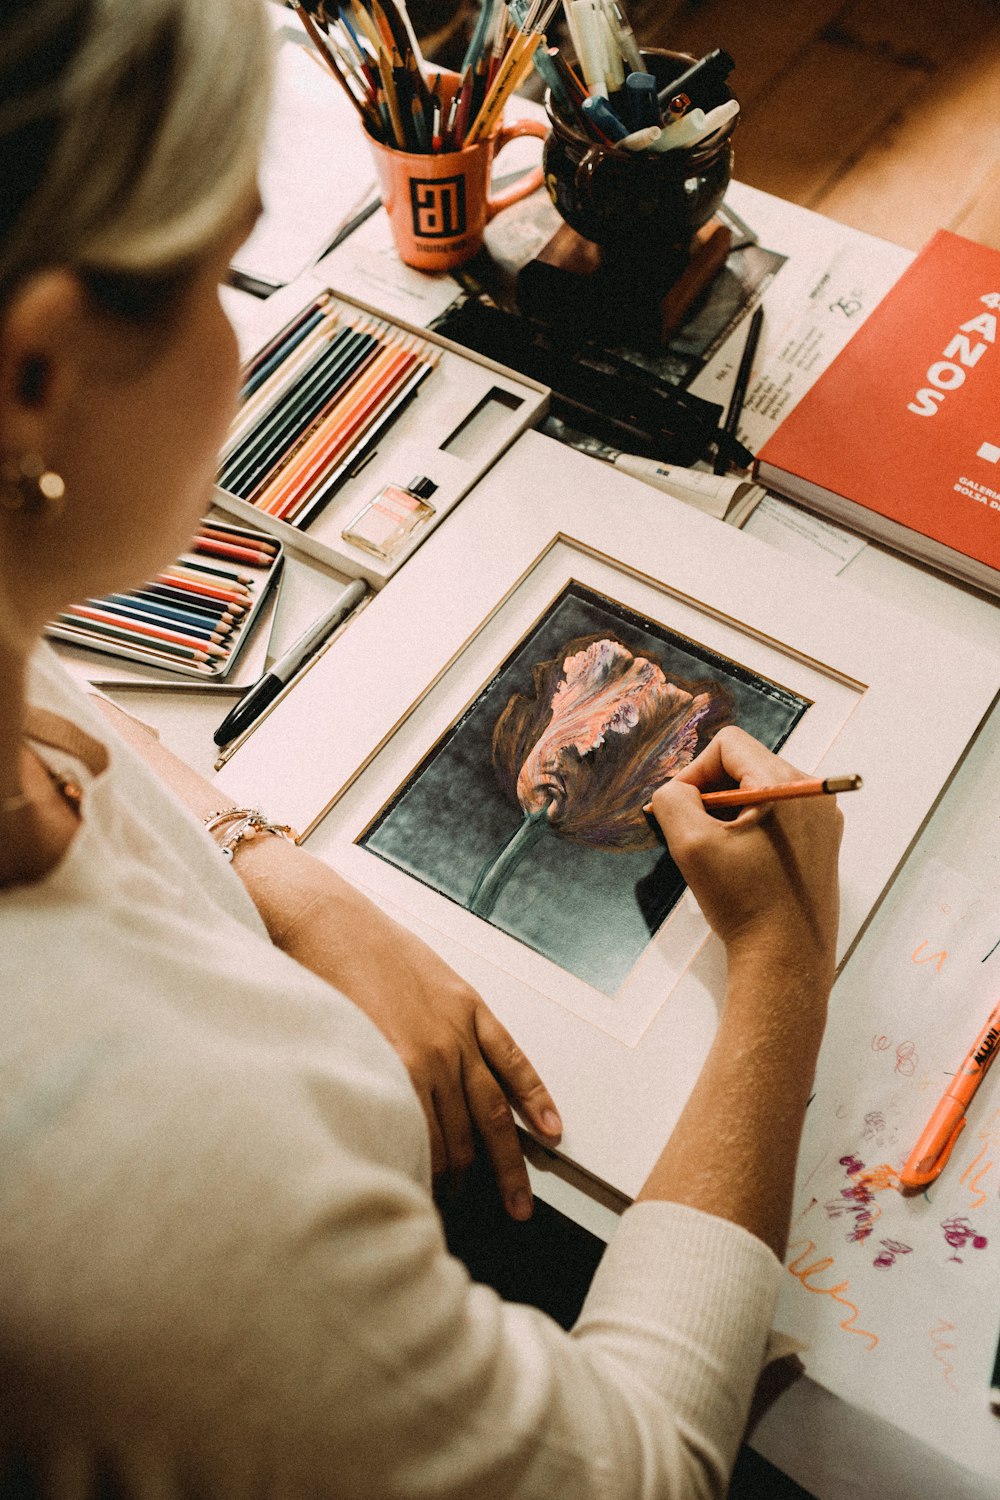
<point x="439" y="204"/>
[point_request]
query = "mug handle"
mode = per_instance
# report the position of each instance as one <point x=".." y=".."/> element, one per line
<point x="531" y="180"/>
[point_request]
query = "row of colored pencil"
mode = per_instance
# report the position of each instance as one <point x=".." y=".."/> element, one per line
<point x="314" y="401"/>
<point x="370" y="48"/>
<point x="193" y="616"/>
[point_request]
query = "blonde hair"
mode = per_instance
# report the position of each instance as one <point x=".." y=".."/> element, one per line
<point x="130" y="130"/>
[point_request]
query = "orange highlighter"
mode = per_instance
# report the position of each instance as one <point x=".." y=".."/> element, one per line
<point x="937" y="1141"/>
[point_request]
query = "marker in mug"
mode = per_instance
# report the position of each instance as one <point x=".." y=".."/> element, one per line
<point x="696" y="126"/>
<point x="641" y="140"/>
<point x="599" y="112"/>
<point x="643" y="106"/>
<point x="704" y="79"/>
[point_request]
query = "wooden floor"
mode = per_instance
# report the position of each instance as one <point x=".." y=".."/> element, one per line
<point x="883" y="114"/>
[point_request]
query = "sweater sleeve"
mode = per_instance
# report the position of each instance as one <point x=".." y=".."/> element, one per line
<point x="238" y="1303"/>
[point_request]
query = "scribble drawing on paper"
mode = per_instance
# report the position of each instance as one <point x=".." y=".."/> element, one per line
<point x="941" y="1348"/>
<point x="804" y="1275"/>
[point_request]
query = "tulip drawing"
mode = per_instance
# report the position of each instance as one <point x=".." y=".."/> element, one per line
<point x="586" y="751"/>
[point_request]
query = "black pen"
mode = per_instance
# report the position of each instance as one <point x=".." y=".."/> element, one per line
<point x="703" y="82"/>
<point x="256" y="698"/>
<point x="736" y="400"/>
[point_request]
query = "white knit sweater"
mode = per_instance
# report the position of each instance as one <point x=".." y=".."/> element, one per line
<point x="221" y="1271"/>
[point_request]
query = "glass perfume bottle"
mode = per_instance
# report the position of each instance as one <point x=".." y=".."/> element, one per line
<point x="387" y="522"/>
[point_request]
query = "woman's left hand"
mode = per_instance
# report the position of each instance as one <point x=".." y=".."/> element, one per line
<point x="465" y="1066"/>
<point x="467" y="1069"/>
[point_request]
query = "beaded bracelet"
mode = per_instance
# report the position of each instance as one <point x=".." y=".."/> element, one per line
<point x="239" y="823"/>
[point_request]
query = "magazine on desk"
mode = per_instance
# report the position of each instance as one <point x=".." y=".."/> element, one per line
<point x="392" y="757"/>
<point x="900" y="437"/>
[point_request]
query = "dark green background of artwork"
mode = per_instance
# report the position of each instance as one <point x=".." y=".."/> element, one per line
<point x="590" y="911"/>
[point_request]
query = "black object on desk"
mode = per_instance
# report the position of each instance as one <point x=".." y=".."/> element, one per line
<point x="736" y="400"/>
<point x="592" y="389"/>
<point x="704" y="82"/>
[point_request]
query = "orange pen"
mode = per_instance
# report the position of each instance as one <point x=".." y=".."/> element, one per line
<point x="937" y="1140"/>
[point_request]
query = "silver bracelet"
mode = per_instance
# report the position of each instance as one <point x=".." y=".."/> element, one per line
<point x="239" y="823"/>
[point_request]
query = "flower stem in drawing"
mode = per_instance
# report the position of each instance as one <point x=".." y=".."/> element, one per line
<point x="499" y="867"/>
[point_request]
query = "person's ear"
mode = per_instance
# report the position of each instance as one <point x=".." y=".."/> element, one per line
<point x="40" y="348"/>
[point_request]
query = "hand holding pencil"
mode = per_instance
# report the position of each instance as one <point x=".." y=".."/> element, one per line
<point x="767" y="886"/>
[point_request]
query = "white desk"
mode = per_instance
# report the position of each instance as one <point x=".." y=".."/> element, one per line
<point x="846" y="1431"/>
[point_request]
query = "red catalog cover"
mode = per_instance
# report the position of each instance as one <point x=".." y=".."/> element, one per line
<point x="900" y="437"/>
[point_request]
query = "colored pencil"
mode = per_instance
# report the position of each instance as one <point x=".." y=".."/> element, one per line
<point x="146" y="614"/>
<point x="318" y="437"/>
<point x="334" y="367"/>
<point x="251" y="555"/>
<point x="328" y="443"/>
<point x="362" y="444"/>
<point x="373" y="53"/>
<point x="191" y="617"/>
<point x="342" y="382"/>
<point x="339" y="437"/>
<point x="299" y="416"/>
<point x="807" y="787"/>
<point x="162" y="609"/>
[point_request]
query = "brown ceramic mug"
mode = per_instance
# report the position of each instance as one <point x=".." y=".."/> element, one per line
<point x="641" y="207"/>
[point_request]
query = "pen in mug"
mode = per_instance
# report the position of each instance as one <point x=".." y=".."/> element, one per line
<point x="627" y="43"/>
<point x="937" y="1140"/>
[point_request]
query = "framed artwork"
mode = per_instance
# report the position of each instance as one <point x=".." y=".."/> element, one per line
<point x="528" y="810"/>
<point x="476" y="748"/>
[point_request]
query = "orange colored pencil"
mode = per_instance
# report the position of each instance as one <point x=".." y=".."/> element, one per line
<point x="256" y="557"/>
<point x="178" y="580"/>
<point x="291" y="464"/>
<point x="337" y="437"/>
<point x="752" y="796"/>
<point x="354" y="427"/>
<point x="123" y="622"/>
<point x="237" y="539"/>
<point x="303" y="468"/>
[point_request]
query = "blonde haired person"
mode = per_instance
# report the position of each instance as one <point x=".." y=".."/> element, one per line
<point x="222" y="1269"/>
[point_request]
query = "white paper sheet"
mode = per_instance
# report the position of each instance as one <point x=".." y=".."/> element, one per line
<point x="803" y="536"/>
<point x="897" y="1294"/>
<point x="316" y="167"/>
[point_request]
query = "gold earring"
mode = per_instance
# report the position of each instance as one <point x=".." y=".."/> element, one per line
<point x="27" y="485"/>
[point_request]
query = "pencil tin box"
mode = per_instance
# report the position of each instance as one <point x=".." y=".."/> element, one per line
<point x="194" y="616"/>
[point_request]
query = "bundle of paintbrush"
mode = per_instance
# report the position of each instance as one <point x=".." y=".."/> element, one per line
<point x="314" y="401"/>
<point x="615" y="100"/>
<point x="369" y="47"/>
<point x="194" y="616"/>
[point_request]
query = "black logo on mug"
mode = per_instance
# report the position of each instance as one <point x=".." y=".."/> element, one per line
<point x="438" y="207"/>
